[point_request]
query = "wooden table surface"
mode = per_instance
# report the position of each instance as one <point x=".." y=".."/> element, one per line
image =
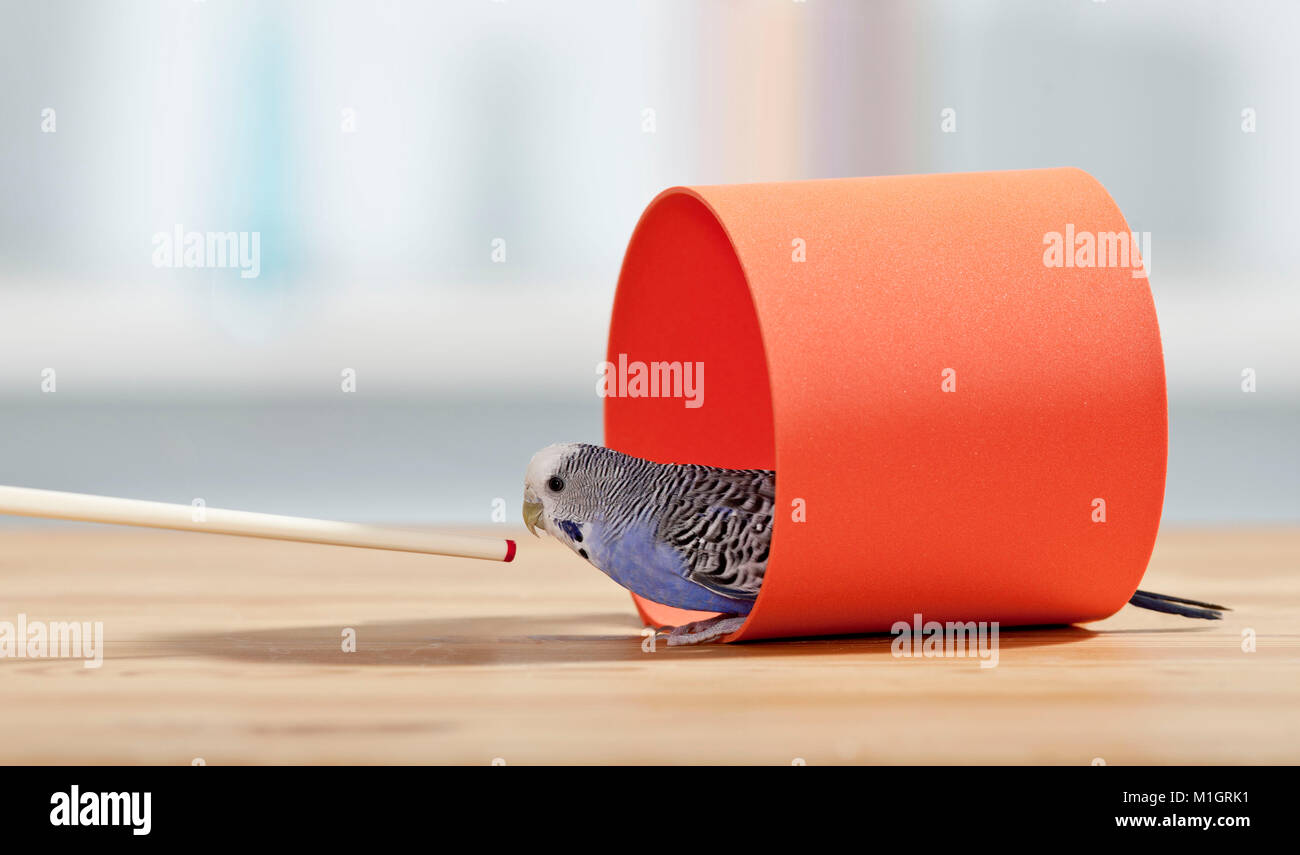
<point x="230" y="650"/>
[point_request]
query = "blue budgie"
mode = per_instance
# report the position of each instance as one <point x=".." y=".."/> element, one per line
<point x="694" y="537"/>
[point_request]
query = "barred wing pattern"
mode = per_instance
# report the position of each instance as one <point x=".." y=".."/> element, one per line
<point x="720" y="521"/>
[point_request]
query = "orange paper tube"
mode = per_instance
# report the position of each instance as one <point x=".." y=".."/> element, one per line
<point x="977" y="503"/>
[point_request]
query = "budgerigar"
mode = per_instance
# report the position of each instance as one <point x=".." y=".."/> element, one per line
<point x="684" y="535"/>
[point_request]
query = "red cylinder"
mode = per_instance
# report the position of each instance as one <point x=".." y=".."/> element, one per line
<point x="964" y="407"/>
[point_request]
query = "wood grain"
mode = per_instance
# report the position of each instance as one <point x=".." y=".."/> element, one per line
<point x="230" y="650"/>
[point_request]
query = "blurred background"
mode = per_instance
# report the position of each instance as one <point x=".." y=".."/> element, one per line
<point x="444" y="191"/>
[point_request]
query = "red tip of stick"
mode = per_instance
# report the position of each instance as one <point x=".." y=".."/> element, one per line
<point x="510" y="550"/>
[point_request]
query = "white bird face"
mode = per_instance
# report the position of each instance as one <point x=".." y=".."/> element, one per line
<point x="548" y="490"/>
<point x="570" y="488"/>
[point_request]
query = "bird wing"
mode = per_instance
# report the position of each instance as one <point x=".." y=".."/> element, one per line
<point x="720" y="522"/>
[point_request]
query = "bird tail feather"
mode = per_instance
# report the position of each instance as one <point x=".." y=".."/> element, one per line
<point x="1178" y="606"/>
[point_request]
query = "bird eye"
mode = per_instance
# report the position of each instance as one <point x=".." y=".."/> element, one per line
<point x="556" y="483"/>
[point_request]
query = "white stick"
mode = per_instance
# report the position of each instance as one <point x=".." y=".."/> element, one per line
<point x="27" y="502"/>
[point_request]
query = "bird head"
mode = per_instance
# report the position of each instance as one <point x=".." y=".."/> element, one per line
<point x="563" y="491"/>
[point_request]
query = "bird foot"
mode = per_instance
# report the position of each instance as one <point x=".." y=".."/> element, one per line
<point x="705" y="631"/>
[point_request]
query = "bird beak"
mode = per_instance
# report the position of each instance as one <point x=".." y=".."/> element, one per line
<point x="532" y="516"/>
